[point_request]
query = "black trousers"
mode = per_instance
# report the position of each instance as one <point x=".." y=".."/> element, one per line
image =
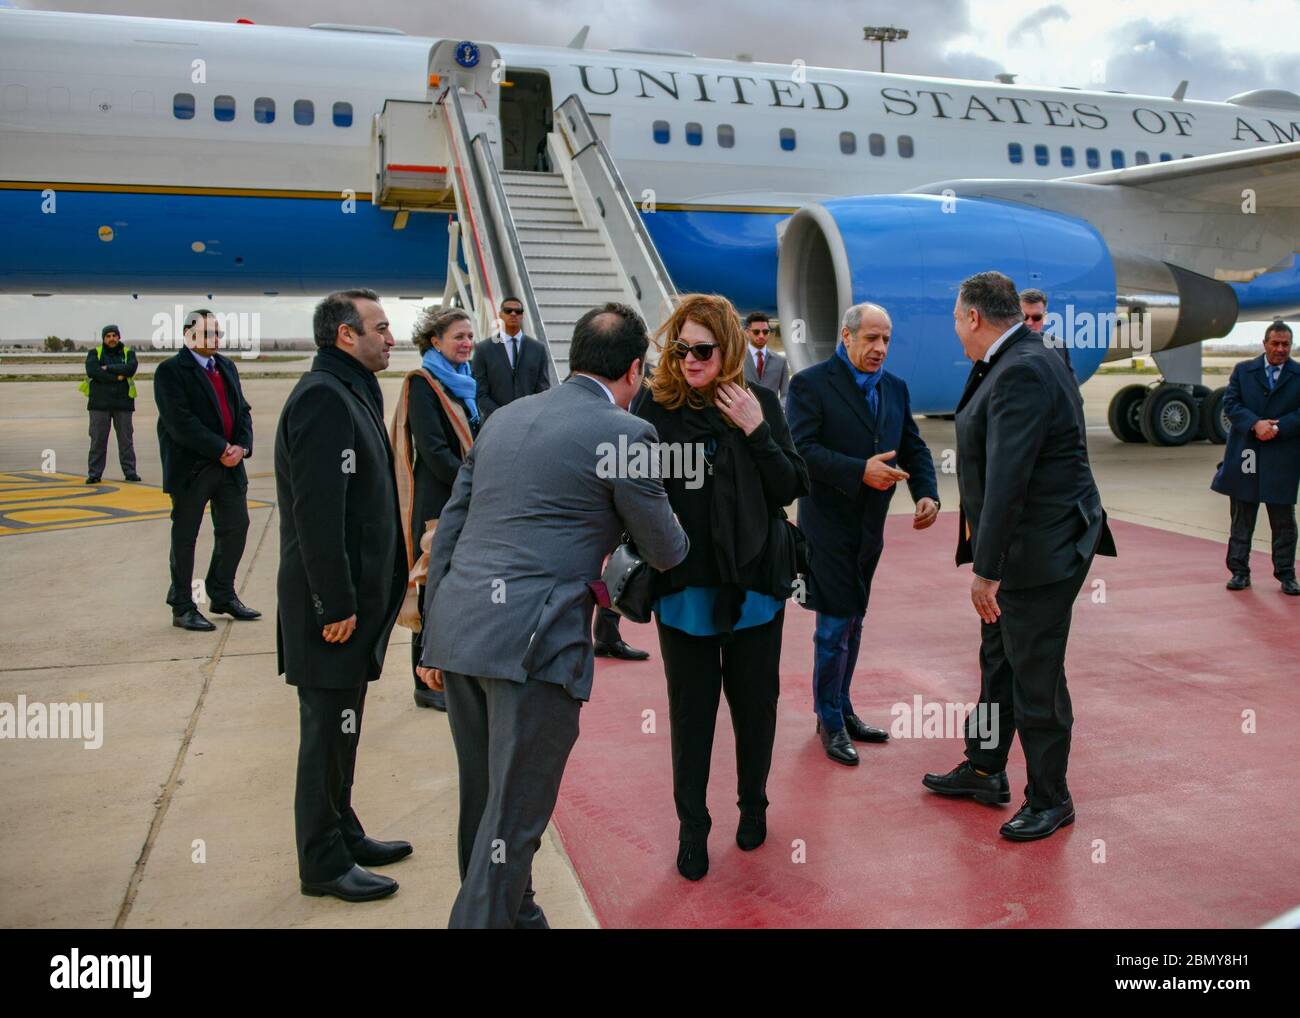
<point x="699" y="669"/>
<point x="329" y="729"/>
<point x="605" y="627"/>
<point x="1022" y="686"/>
<point x="218" y="486"/>
<point x="1281" y="518"/>
<point x="512" y="743"/>
<point x="417" y="642"/>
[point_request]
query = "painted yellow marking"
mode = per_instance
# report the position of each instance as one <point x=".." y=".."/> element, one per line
<point x="31" y="502"/>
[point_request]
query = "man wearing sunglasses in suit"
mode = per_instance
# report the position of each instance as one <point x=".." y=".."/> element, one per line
<point x="510" y="364"/>
<point x="1033" y="303"/>
<point x="762" y="366"/>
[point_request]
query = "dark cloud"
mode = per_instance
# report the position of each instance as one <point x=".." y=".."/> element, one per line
<point x="826" y="33"/>
<point x="1032" y="23"/>
<point x="1152" y="58"/>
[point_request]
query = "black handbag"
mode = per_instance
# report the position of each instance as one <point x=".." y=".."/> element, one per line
<point x="629" y="579"/>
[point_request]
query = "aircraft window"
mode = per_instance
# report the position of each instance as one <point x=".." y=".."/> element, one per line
<point x="264" y="110"/>
<point x="1140" y="159"/>
<point x="1165" y="157"/>
<point x="1117" y="158"/>
<point x="183" y="106"/>
<point x="876" y="143"/>
<point x="1041" y="155"/>
<point x="848" y="142"/>
<point x="1187" y="155"/>
<point x="787" y="139"/>
<point x="223" y="108"/>
<point x="662" y="134"/>
<point x="694" y="134"/>
<point x="342" y="114"/>
<point x="905" y="148"/>
<point x="304" y="113"/>
<point x="1094" y="158"/>
<point x="1014" y="152"/>
<point x="1067" y="155"/>
<point x="726" y="136"/>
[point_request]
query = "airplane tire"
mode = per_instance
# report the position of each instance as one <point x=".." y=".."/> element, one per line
<point x="1125" y="413"/>
<point x="1170" y="416"/>
<point x="1214" y="426"/>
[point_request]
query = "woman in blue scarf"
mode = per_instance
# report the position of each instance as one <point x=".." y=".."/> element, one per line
<point x="435" y="424"/>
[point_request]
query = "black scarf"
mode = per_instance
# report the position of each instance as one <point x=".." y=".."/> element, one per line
<point x="335" y="357"/>
<point x="736" y="508"/>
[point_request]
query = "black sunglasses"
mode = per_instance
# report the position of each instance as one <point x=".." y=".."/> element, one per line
<point x="700" y="351"/>
<point x="760" y="332"/>
<point x="512" y="311"/>
<point x="1033" y="318"/>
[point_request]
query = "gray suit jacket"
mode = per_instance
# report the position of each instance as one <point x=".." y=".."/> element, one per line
<point x="776" y="372"/>
<point x="530" y="521"/>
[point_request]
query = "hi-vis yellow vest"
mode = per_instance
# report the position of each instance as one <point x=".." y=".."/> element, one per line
<point x="84" y="387"/>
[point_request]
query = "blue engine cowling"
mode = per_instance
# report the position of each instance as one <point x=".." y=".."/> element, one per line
<point x="909" y="253"/>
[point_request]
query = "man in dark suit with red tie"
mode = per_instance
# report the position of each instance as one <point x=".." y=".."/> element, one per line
<point x="1031" y="521"/>
<point x="205" y="432"/>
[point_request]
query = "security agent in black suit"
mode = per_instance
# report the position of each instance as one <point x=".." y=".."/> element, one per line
<point x="1031" y="521"/>
<point x="205" y="432"/>
<point x="340" y="585"/>
<point x="510" y="364"/>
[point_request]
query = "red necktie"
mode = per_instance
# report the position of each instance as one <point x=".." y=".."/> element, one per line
<point x="760" y="365"/>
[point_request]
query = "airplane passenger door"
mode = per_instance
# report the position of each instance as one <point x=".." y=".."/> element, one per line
<point x="526" y="117"/>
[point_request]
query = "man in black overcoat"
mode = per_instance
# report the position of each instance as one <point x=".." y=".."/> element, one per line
<point x="340" y="585"/>
<point x="1261" y="462"/>
<point x="1031" y="521"/>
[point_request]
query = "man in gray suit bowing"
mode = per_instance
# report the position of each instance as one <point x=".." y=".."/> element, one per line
<point x="531" y="518"/>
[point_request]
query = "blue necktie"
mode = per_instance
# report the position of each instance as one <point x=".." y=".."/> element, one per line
<point x="1271" y="371"/>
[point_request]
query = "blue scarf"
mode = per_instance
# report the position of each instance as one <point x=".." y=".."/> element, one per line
<point x="458" y="378"/>
<point x="867" y="381"/>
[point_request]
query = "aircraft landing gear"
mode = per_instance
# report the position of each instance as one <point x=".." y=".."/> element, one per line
<point x="1168" y="413"/>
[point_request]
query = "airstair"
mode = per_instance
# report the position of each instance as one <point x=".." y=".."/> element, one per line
<point x="562" y="241"/>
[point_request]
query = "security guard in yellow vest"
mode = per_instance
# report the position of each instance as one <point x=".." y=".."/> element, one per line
<point x="110" y="390"/>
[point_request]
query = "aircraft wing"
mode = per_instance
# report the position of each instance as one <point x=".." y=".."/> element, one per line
<point x="1272" y="172"/>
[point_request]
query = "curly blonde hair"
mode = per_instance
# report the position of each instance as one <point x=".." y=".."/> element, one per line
<point x="717" y="314"/>
<point x="433" y="322"/>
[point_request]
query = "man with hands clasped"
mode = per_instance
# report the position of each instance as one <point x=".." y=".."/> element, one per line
<point x="850" y="419"/>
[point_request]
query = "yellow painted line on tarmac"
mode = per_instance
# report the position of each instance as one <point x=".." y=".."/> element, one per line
<point x="32" y="502"/>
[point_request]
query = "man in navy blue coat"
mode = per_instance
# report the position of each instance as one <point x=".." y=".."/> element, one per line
<point x="1262" y="460"/>
<point x="849" y="419"/>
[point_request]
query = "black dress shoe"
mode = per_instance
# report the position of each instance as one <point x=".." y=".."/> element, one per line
<point x="236" y="609"/>
<point x="355" y="885"/>
<point x="751" y="833"/>
<point x="693" y="859"/>
<point x="860" y="731"/>
<point x="133" y="478"/>
<point x="1031" y="824"/>
<point x="92" y="480"/>
<point x="369" y="852"/>
<point x="837" y="745"/>
<point x="194" y="621"/>
<point x="1291" y="587"/>
<point x="435" y="698"/>
<point x="1239" y="581"/>
<point x="621" y="650"/>
<point x="992" y="789"/>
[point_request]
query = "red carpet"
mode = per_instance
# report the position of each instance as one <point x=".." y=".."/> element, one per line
<point x="1183" y="820"/>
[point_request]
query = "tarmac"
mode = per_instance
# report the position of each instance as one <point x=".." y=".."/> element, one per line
<point x="183" y="816"/>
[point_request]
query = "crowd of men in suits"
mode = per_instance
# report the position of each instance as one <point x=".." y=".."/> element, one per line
<point x="528" y="505"/>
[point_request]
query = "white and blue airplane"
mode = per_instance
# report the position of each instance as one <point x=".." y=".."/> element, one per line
<point x="185" y="156"/>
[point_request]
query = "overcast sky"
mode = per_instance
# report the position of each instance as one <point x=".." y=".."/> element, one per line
<point x="1220" y="47"/>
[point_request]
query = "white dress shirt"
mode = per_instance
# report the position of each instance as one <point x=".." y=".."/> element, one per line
<point x="997" y="343"/>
